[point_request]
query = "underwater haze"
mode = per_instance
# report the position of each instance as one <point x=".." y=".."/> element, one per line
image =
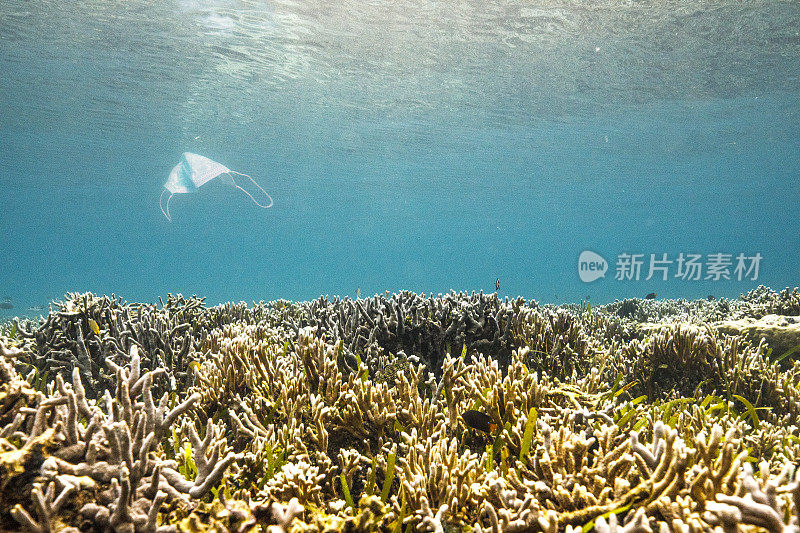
<point x="421" y="145"/>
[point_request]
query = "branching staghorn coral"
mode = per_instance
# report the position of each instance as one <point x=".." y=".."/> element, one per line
<point x="558" y="345"/>
<point x="582" y="471"/>
<point x="682" y="357"/>
<point x="618" y="320"/>
<point x="414" y="324"/>
<point x="434" y="469"/>
<point x="79" y="446"/>
<point x="244" y="359"/>
<point x="89" y="330"/>
<point x="763" y="301"/>
<point x="47" y="506"/>
<point x="360" y="421"/>
<point x="756" y="503"/>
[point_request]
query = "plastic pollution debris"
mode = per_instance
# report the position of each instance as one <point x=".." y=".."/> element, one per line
<point x="194" y="171"/>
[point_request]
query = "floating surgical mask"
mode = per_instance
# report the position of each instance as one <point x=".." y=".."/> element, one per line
<point x="195" y="171"/>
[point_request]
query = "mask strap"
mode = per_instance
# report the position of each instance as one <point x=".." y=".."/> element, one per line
<point x="247" y="193"/>
<point x="160" y="198"/>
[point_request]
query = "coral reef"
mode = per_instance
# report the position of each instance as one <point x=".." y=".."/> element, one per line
<point x="342" y="415"/>
<point x="764" y="301"/>
<point x="63" y="444"/>
<point x="414" y="324"/>
<point x="781" y="333"/>
<point x="87" y="331"/>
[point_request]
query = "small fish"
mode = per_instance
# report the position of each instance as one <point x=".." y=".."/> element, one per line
<point x="37" y="308"/>
<point x="94" y="327"/>
<point x="479" y="421"/>
<point x="651" y="296"/>
<point x="6" y="298"/>
<point x="497" y="284"/>
<point x="6" y="305"/>
<point x="710" y="297"/>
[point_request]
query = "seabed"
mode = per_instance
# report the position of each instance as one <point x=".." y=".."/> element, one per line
<point x="349" y="415"/>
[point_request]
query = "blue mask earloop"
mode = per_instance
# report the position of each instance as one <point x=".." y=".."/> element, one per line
<point x="244" y="191"/>
<point x="160" y="198"/>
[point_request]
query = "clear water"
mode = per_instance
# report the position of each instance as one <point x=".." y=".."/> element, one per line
<point x="422" y="145"/>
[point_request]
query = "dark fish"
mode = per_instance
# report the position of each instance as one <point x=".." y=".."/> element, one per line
<point x="710" y="297"/>
<point x="497" y="284"/>
<point x="6" y="298"/>
<point x="479" y="421"/>
<point x="651" y="296"/>
<point x="6" y="305"/>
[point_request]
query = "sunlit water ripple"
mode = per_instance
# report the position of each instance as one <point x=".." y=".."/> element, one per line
<point x="141" y="63"/>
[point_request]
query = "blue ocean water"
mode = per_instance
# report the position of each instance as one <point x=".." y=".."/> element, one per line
<point x="429" y="146"/>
